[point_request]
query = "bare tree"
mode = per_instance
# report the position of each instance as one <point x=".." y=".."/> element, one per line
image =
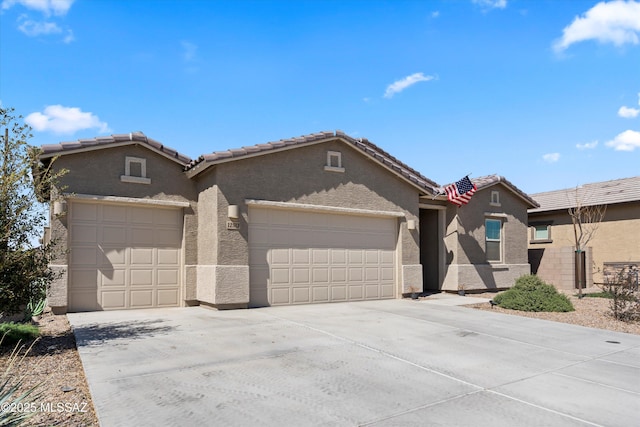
<point x="586" y="219"/>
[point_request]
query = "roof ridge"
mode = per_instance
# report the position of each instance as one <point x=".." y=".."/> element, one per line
<point x="137" y="136"/>
<point x="363" y="144"/>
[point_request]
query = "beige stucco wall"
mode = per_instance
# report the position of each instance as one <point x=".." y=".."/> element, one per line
<point x="98" y="173"/>
<point x="617" y="239"/>
<point x="297" y="176"/>
<point x="466" y="260"/>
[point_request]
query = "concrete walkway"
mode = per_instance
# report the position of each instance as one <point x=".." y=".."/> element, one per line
<point x="379" y="363"/>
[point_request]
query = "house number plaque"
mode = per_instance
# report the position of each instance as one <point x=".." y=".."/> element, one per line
<point x="233" y="225"/>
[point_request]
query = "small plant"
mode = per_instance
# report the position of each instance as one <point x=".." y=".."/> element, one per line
<point x="625" y="296"/>
<point x="15" y="332"/>
<point x="530" y="293"/>
<point x="10" y="398"/>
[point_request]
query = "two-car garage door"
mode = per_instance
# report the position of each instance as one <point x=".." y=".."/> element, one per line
<point x="299" y="257"/>
<point x="124" y="256"/>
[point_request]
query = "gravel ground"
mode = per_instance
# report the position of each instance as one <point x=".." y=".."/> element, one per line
<point x="67" y="402"/>
<point x="589" y="312"/>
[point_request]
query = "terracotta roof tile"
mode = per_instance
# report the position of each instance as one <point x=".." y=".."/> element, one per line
<point x="489" y="180"/>
<point x="136" y="137"/>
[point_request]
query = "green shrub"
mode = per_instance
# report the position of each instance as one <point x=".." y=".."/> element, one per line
<point x="530" y="293"/>
<point x="11" y="333"/>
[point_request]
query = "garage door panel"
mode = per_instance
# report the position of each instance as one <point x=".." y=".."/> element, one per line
<point x="141" y="277"/>
<point x="142" y="298"/>
<point x="83" y="279"/>
<point x="167" y="297"/>
<point x="386" y="274"/>
<point x="112" y="256"/>
<point x="320" y="275"/>
<point x="371" y="274"/>
<point x="280" y="296"/>
<point x="300" y="275"/>
<point x="114" y="213"/>
<point x="84" y="256"/>
<point x="139" y="215"/>
<point x="279" y="256"/>
<point x="320" y="256"/>
<point x="355" y="292"/>
<point x="167" y="238"/>
<point x="168" y="257"/>
<point x="83" y="233"/>
<point x="83" y="300"/>
<point x="142" y="236"/>
<point x="84" y="212"/>
<point x="372" y="291"/>
<point x="301" y="295"/>
<point x="386" y="291"/>
<point x="122" y="256"/>
<point x="338" y="293"/>
<point x="110" y="235"/>
<point x="168" y="277"/>
<point x="306" y="257"/>
<point x="355" y="274"/>
<point x="280" y="276"/>
<point x="114" y="277"/>
<point x="141" y="256"/>
<point x="320" y="294"/>
<point x="300" y="256"/>
<point x="113" y="300"/>
<point x="338" y="256"/>
<point x="338" y="275"/>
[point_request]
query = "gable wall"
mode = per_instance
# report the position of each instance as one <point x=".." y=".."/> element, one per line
<point x="294" y="176"/>
<point x="98" y="173"/>
<point x="467" y="264"/>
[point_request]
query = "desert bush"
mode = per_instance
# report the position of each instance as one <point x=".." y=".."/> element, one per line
<point x="530" y="293"/>
<point x="625" y="296"/>
<point x="12" y="333"/>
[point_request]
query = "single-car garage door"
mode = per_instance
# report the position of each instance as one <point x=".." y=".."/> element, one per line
<point x="123" y="256"/>
<point x="299" y="257"/>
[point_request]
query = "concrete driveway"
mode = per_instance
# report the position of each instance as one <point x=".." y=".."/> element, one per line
<point x="380" y="363"/>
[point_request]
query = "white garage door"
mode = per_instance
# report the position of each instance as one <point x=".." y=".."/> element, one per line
<point x="299" y="257"/>
<point x="123" y="256"/>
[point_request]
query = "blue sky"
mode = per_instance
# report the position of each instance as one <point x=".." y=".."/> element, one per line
<point x="545" y="93"/>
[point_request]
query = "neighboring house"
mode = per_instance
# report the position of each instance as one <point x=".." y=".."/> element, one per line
<point x="319" y="218"/>
<point x="616" y="241"/>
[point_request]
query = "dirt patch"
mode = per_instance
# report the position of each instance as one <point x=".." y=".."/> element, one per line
<point x="54" y="360"/>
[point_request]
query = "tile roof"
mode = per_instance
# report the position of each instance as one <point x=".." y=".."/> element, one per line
<point x="361" y="144"/>
<point x="489" y="180"/>
<point x="598" y="193"/>
<point x="98" y="142"/>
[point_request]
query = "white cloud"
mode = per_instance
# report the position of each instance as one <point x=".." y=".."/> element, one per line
<point x="400" y="85"/>
<point x="435" y="14"/>
<point x="628" y="140"/>
<point x="491" y="4"/>
<point x="587" y="145"/>
<point x="189" y="51"/>
<point x="628" y="113"/>
<point x="64" y="120"/>
<point x="36" y="28"/>
<point x="551" y="157"/>
<point x="47" y="7"/>
<point x="616" y="22"/>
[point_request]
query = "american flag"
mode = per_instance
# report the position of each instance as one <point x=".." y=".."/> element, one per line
<point x="460" y="193"/>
